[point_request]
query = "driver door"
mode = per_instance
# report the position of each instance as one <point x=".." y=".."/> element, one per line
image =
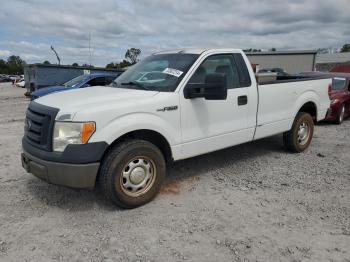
<point x="209" y="125"/>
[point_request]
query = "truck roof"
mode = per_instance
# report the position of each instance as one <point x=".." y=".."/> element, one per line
<point x="197" y="50"/>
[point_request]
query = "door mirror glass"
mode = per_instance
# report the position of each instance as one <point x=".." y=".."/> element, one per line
<point x="213" y="88"/>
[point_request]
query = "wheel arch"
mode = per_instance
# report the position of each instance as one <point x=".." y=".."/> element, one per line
<point x="309" y="107"/>
<point x="308" y="102"/>
<point x="149" y="135"/>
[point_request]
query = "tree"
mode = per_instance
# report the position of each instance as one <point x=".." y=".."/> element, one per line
<point x="75" y="64"/>
<point x="87" y="65"/>
<point x="132" y="55"/>
<point x="345" y="48"/>
<point x="120" y="65"/>
<point x="111" y="65"/>
<point x="124" y="63"/>
<point x="46" y="62"/>
<point x="15" y="64"/>
<point x="3" y="67"/>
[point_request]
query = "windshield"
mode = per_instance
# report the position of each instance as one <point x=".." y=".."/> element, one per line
<point x="75" y="81"/>
<point x="338" y="83"/>
<point x="161" y="72"/>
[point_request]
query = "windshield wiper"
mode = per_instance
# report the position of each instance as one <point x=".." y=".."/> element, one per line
<point x="132" y="83"/>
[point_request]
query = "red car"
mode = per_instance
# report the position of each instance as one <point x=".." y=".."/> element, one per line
<point x="339" y="93"/>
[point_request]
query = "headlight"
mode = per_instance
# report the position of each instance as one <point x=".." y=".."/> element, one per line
<point x="334" y="101"/>
<point x="66" y="133"/>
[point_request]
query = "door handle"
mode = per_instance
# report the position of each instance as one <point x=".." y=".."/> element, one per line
<point x="242" y="100"/>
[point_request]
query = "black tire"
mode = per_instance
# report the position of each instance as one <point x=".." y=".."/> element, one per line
<point x="291" y="138"/>
<point x="341" y="115"/>
<point x="120" y="161"/>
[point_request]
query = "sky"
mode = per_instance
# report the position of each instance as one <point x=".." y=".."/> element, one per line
<point x="29" y="27"/>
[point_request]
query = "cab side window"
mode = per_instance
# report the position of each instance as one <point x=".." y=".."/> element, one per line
<point x="98" y="81"/>
<point x="223" y="64"/>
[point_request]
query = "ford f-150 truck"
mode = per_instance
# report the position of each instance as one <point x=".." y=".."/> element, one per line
<point x="189" y="102"/>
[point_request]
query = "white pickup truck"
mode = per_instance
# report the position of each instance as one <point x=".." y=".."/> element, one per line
<point x="170" y="106"/>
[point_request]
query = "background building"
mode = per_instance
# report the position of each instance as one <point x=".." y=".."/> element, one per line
<point x="329" y="62"/>
<point x="291" y="61"/>
<point x="42" y="75"/>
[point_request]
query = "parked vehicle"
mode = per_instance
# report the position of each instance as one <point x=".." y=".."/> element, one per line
<point x="339" y="93"/>
<point x="100" y="79"/>
<point x="20" y="83"/>
<point x="5" y="78"/>
<point x="124" y="136"/>
<point x="39" y="76"/>
<point x="340" y="98"/>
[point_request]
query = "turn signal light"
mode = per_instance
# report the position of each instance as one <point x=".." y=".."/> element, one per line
<point x="87" y="131"/>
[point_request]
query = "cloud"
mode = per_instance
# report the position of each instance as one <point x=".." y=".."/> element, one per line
<point x="5" y="53"/>
<point x="110" y="27"/>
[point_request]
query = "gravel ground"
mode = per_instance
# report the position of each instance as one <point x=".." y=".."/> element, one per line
<point x="254" y="202"/>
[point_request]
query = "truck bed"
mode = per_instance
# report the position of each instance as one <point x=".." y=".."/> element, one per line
<point x="292" y="78"/>
<point x="280" y="99"/>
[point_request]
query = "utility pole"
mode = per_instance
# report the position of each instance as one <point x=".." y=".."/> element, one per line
<point x="58" y="58"/>
<point x="91" y="50"/>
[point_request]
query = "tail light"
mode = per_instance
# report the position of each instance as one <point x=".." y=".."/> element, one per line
<point x="329" y="89"/>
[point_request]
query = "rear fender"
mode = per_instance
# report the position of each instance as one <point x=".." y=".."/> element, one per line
<point x="306" y="97"/>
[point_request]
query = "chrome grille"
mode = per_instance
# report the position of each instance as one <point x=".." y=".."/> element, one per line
<point x="39" y="125"/>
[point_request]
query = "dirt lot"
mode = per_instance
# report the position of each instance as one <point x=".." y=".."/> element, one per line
<point x="253" y="202"/>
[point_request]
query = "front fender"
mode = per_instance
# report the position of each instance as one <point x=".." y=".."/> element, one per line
<point x="120" y="126"/>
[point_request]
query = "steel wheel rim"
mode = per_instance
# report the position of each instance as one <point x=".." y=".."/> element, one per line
<point x="303" y="133"/>
<point x="138" y="176"/>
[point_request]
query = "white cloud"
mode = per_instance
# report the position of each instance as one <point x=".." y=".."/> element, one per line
<point x="153" y="25"/>
<point x="5" y="53"/>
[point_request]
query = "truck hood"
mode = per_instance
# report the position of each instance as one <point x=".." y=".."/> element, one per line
<point x="72" y="101"/>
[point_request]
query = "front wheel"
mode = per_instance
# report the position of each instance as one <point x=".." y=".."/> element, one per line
<point x="299" y="137"/>
<point x="132" y="173"/>
<point x="341" y="115"/>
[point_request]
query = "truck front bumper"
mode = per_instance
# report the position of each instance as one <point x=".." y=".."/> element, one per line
<point x="64" y="174"/>
<point x="76" y="167"/>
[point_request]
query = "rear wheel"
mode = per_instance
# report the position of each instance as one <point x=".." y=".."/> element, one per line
<point x="132" y="173"/>
<point x="299" y="137"/>
<point x="341" y="115"/>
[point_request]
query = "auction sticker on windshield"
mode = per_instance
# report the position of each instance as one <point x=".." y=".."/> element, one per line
<point x="172" y="71"/>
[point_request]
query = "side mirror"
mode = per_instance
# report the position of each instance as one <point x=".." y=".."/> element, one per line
<point x="214" y="88"/>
